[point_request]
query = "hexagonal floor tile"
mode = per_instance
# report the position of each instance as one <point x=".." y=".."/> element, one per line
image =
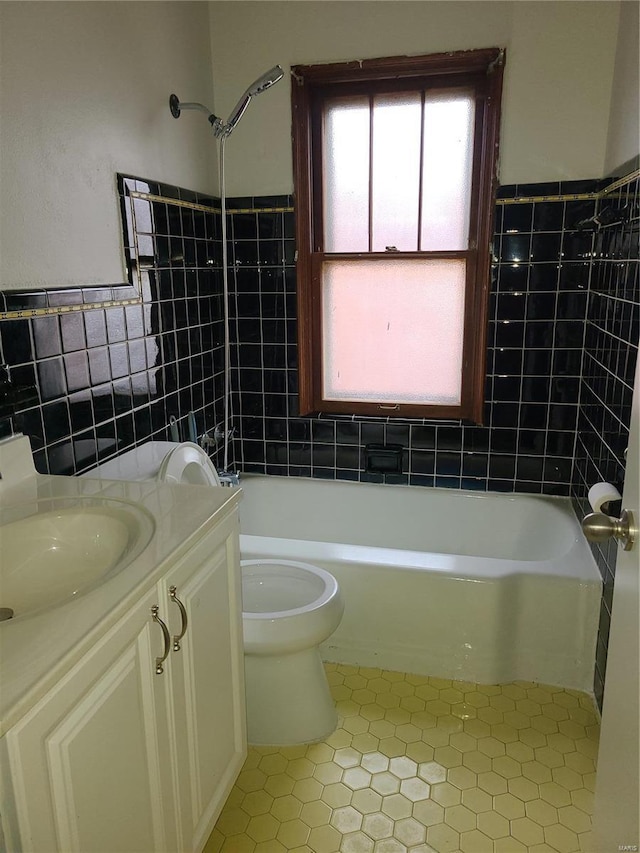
<point x="419" y="765"/>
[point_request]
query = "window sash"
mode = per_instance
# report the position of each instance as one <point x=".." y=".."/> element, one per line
<point x="385" y="359"/>
<point x="397" y="170"/>
<point x="311" y="85"/>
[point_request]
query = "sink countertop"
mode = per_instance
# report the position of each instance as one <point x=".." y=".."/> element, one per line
<point x="35" y="651"/>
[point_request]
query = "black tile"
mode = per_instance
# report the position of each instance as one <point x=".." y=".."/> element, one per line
<point x="77" y="371"/>
<point x="56" y="421"/>
<point x="116" y="326"/>
<point x="119" y="360"/>
<point x="508" y="361"/>
<point x="569" y="334"/>
<point x="475" y="464"/>
<point x="515" y="249"/>
<point x="535" y="389"/>
<point x="509" y="334"/>
<point x="46" y="335"/>
<point x="449" y="438"/>
<point x="324" y="431"/>
<point x="504" y="440"/>
<point x="99" y="365"/>
<point x="95" y="327"/>
<point x="539" y="334"/>
<point x="545" y="248"/>
<point x="517" y="218"/>
<point x="548" y="216"/>
<point x="543" y="276"/>
<point x="533" y="415"/>
<point x="348" y="457"/>
<point x="347" y="433"/>
<point x="51" y="379"/>
<point x="422" y="462"/>
<point x="506" y="388"/>
<point x="532" y="442"/>
<point x="577" y="246"/>
<point x="72" y="329"/>
<point x="511" y="306"/>
<point x="541" y="306"/>
<point x="504" y="414"/>
<point x="571" y="305"/>
<point x="513" y="277"/>
<point x="371" y="433"/>
<point x="537" y="189"/>
<point x="80" y="411"/>
<point x="576" y="212"/>
<point x="16" y="300"/>
<point x="16" y="341"/>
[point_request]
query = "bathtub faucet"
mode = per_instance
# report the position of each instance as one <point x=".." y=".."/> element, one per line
<point x="229" y="478"/>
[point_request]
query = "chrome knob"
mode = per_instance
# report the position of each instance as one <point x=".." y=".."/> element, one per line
<point x="598" y="527"/>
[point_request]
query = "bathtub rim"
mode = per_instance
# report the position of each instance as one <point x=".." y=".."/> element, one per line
<point x="449" y="565"/>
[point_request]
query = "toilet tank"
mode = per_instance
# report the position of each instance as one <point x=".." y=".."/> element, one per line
<point x="139" y="463"/>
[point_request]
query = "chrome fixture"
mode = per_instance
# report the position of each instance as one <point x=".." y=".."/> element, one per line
<point x="598" y="527"/>
<point x="229" y="478"/>
<point x="167" y="640"/>
<point x="173" y="595"/>
<point x="224" y="128"/>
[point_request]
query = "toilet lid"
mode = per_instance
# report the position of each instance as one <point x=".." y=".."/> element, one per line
<point x="188" y="463"/>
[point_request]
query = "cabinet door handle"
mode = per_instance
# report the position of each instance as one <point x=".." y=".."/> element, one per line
<point x="167" y="640"/>
<point x="183" y="614"/>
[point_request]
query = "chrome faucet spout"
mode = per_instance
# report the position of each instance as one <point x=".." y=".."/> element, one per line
<point x="229" y="478"/>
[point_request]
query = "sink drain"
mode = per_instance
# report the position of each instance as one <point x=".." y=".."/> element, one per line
<point x="5" y="613"/>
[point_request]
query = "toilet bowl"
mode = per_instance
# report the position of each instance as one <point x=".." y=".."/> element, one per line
<point x="289" y="608"/>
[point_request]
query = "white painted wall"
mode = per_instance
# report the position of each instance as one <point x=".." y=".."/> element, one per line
<point x="560" y="62"/>
<point x="623" y="142"/>
<point x="84" y="94"/>
<point x="84" y="88"/>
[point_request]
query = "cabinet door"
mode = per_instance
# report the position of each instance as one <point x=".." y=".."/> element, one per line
<point x="87" y="763"/>
<point x="207" y="676"/>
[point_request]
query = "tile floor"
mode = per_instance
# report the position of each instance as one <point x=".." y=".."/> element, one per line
<point x="424" y="765"/>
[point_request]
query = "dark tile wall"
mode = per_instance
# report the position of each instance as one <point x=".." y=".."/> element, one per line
<point x="562" y="346"/>
<point x="611" y="350"/>
<point x="106" y="378"/>
<point x="540" y="281"/>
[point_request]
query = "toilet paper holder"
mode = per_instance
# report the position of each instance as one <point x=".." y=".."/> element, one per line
<point x="598" y="527"/>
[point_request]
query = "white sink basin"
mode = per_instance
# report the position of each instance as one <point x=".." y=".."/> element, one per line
<point x="54" y="550"/>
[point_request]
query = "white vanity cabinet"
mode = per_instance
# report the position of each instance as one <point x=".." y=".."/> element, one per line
<point x="119" y="758"/>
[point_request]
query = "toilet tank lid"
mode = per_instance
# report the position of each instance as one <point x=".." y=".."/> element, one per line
<point x="139" y="463"/>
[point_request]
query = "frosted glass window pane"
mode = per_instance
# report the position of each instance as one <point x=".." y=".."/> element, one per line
<point x="396" y="171"/>
<point x="393" y="331"/>
<point x="448" y="158"/>
<point x="346" y="175"/>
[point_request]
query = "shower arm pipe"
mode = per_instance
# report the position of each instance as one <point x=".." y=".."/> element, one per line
<point x="220" y="127"/>
<point x="176" y="106"/>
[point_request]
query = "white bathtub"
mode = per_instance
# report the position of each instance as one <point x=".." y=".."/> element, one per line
<point x="477" y="587"/>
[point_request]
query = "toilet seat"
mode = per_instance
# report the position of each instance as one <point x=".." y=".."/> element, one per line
<point x="188" y="463"/>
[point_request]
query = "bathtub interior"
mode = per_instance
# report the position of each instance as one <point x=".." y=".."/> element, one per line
<point x="408" y="517"/>
<point x="484" y="619"/>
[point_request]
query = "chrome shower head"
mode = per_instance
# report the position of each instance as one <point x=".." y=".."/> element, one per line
<point x="221" y="128"/>
<point x="265" y="82"/>
<point x="273" y="75"/>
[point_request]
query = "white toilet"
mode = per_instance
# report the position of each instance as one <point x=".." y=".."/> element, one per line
<point x="289" y="608"/>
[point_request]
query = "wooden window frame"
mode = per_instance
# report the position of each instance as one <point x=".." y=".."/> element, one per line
<point x="480" y="70"/>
